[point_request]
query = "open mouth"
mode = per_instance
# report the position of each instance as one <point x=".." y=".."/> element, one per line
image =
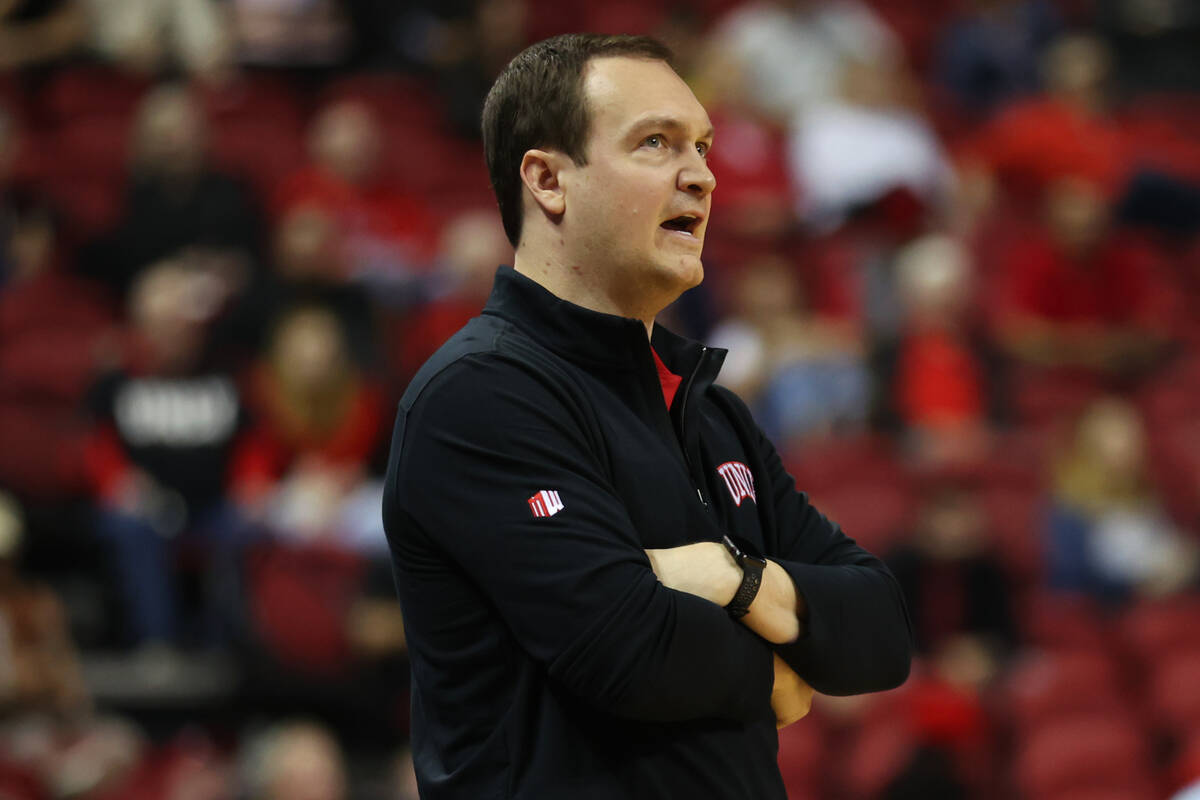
<point x="685" y="223"/>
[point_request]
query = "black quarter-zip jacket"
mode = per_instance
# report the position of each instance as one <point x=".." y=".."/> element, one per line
<point x="533" y="462"/>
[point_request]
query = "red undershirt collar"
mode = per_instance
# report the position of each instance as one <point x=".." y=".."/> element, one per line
<point x="669" y="380"/>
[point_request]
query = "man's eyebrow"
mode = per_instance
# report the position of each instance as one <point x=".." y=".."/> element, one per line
<point x="666" y="123"/>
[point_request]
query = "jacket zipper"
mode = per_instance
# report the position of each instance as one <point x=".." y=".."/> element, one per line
<point x="683" y="441"/>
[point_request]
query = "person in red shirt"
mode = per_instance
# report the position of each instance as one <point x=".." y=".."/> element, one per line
<point x="1082" y="294"/>
<point x="385" y="234"/>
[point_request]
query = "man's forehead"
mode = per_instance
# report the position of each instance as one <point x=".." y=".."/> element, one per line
<point x="628" y="91"/>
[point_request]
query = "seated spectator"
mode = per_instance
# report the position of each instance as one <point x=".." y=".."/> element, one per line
<point x="306" y="269"/>
<point x="958" y="591"/>
<point x="176" y="200"/>
<point x="473" y="246"/>
<point x="1068" y="131"/>
<point x="165" y="446"/>
<point x="793" y="54"/>
<point x="157" y="36"/>
<point x="853" y="148"/>
<point x="802" y="373"/>
<point x="989" y="55"/>
<point x="319" y="422"/>
<point x="320" y="435"/>
<point x="1107" y="533"/>
<point x="385" y="236"/>
<point x="935" y="379"/>
<point x="294" y="760"/>
<point x="1081" y="294"/>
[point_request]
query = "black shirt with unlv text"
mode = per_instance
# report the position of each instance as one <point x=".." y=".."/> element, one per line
<point x="533" y="462"/>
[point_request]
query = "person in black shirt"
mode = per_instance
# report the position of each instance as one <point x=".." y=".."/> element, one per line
<point x="611" y="587"/>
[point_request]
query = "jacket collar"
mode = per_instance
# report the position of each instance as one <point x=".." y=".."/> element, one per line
<point x="589" y="337"/>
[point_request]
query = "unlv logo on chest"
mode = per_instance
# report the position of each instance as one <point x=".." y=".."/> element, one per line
<point x="738" y="480"/>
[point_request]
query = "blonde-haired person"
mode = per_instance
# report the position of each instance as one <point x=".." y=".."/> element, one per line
<point x="1108" y="534"/>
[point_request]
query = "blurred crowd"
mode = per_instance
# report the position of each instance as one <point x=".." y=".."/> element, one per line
<point x="954" y="255"/>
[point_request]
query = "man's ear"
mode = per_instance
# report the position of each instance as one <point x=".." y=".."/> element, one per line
<point x="540" y="174"/>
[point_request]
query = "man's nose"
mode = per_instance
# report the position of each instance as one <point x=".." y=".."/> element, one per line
<point x="696" y="178"/>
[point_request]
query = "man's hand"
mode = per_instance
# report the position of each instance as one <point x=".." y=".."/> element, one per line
<point x="703" y="569"/>
<point x="791" y="697"/>
<point x="706" y="570"/>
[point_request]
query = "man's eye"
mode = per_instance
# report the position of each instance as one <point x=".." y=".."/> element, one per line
<point x="702" y="149"/>
<point x="653" y="141"/>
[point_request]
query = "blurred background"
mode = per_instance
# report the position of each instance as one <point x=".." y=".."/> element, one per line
<point x="954" y="252"/>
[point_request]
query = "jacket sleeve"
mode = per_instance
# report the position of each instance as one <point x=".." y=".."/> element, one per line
<point x="480" y="445"/>
<point x="858" y="637"/>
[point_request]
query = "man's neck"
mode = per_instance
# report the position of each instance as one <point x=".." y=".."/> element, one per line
<point x="582" y="285"/>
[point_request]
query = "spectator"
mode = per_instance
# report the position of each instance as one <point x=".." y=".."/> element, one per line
<point x="469" y="54"/>
<point x="801" y="373"/>
<point x="156" y="36"/>
<point x="850" y="149"/>
<point x="385" y="237"/>
<point x="989" y="55"/>
<point x="936" y="385"/>
<point x="164" y="448"/>
<point x="1067" y="131"/>
<point x="957" y="589"/>
<point x="319" y="422"/>
<point x="1080" y="294"/>
<point x="306" y="262"/>
<point x="294" y="760"/>
<point x="1107" y="533"/>
<point x="473" y="245"/>
<point x="176" y="200"/>
<point x="793" y="54"/>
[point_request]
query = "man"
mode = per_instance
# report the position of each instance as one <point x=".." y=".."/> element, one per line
<point x="564" y="473"/>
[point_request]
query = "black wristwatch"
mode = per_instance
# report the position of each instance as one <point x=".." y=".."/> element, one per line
<point x="752" y="563"/>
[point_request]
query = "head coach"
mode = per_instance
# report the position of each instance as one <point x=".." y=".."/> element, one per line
<point x="611" y="587"/>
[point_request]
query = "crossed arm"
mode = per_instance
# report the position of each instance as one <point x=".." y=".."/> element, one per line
<point x="706" y="570"/>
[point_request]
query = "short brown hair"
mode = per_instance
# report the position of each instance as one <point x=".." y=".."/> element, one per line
<point x="537" y="101"/>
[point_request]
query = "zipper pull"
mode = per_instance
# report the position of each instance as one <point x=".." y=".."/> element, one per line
<point x="701" y="496"/>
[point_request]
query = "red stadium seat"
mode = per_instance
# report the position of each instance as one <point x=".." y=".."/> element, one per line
<point x="1144" y="789"/>
<point x="1174" y="692"/>
<point x="1015" y="520"/>
<point x="878" y="753"/>
<point x="93" y="149"/>
<point x="1053" y="396"/>
<point x="1043" y="687"/>
<point x="1080" y="753"/>
<point x="1153" y="629"/>
<point x="874" y="514"/>
<point x="624" y="16"/>
<point x="92" y="90"/>
<point x="392" y="98"/>
<point x="252" y="97"/>
<point x="1056" y="621"/>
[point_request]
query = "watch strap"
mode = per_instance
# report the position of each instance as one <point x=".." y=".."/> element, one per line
<point x="752" y="569"/>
